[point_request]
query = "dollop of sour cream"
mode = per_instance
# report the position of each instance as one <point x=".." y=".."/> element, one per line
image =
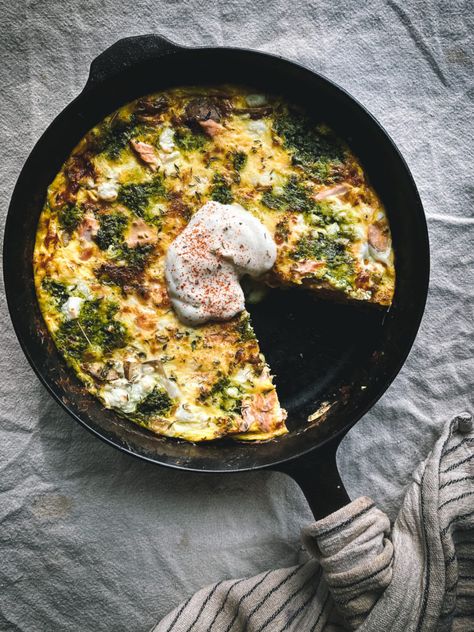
<point x="221" y="243"/>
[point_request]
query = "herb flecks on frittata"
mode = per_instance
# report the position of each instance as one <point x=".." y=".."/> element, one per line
<point x="294" y="197"/>
<point x="314" y="148"/>
<point x="111" y="230"/>
<point x="221" y="190"/>
<point x="117" y="133"/>
<point x="70" y="216"/>
<point x="138" y="196"/>
<point x="245" y="329"/>
<point x="56" y="290"/>
<point x="188" y="140"/>
<point x="239" y="160"/>
<point x="94" y="332"/>
<point x="318" y="247"/>
<point x="225" y="394"/>
<point x="158" y="402"/>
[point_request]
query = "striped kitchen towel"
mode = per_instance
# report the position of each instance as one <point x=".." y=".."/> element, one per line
<point x="417" y="576"/>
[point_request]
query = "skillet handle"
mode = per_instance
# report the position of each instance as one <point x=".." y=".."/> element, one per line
<point x="128" y="52"/>
<point x="319" y="479"/>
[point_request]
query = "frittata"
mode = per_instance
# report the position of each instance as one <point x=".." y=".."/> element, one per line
<point x="129" y="189"/>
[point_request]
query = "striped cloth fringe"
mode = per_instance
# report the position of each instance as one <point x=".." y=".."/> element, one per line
<point x="417" y="576"/>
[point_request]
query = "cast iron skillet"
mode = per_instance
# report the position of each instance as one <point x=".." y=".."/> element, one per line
<point x="336" y="356"/>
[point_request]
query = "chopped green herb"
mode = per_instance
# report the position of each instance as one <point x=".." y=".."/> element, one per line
<point x="70" y="216"/>
<point x="153" y="219"/>
<point x="137" y="256"/>
<point x="239" y="159"/>
<point x="95" y="328"/>
<point x="70" y="339"/>
<point x="219" y="396"/>
<point x="117" y="134"/>
<point x="297" y="196"/>
<point x="221" y="191"/>
<point x="321" y="248"/>
<point x="294" y="197"/>
<point x="272" y="200"/>
<point x="245" y="329"/>
<point x="188" y="140"/>
<point x="219" y="386"/>
<point x="111" y="230"/>
<point x="314" y="148"/>
<point x="322" y="214"/>
<point x="323" y="171"/>
<point x="137" y="197"/>
<point x="231" y="405"/>
<point x="56" y="290"/>
<point x="158" y="402"/>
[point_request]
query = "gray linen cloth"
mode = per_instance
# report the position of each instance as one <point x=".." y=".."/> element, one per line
<point x="93" y="540"/>
<point x="416" y="577"/>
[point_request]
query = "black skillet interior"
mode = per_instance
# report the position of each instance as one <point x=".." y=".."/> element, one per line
<point x="322" y="353"/>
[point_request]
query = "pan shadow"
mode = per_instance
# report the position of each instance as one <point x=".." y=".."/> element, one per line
<point x="72" y="455"/>
<point x="312" y="345"/>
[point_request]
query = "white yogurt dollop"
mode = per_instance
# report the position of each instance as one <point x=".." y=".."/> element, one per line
<point x="221" y="243"/>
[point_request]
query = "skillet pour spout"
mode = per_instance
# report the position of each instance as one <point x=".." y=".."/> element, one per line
<point x="335" y="359"/>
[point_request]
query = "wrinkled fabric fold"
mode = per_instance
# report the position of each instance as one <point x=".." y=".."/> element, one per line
<point x="365" y="575"/>
<point x="356" y="554"/>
